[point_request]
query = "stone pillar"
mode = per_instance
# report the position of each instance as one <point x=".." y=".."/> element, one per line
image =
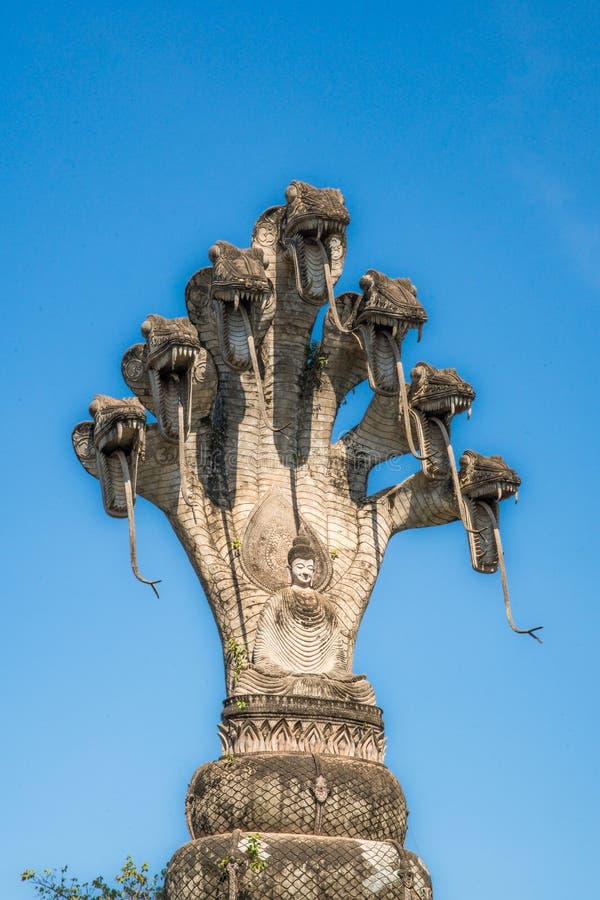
<point x="299" y="806"/>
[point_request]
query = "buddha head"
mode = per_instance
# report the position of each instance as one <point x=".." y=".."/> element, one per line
<point x="301" y="563"/>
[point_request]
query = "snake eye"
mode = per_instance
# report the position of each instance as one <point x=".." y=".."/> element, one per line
<point x="291" y="192"/>
<point x="260" y="256"/>
<point x="214" y="252"/>
<point x="366" y="281"/>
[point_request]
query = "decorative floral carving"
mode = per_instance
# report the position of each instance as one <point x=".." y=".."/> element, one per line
<point x="244" y="735"/>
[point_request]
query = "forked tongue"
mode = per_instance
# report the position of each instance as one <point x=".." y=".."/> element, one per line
<point x="404" y="408"/>
<point x="502" y="567"/>
<point x="456" y="483"/>
<point x="256" y="370"/>
<point x="465" y="521"/>
<point x="184" y="475"/>
<point x="131" y="522"/>
<point x="329" y="284"/>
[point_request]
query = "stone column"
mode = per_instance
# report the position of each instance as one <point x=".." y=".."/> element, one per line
<point x="300" y="805"/>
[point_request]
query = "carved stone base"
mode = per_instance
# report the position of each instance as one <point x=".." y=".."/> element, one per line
<point x="282" y="825"/>
<point x="297" y="793"/>
<point x="293" y="867"/>
<point x="259" y="724"/>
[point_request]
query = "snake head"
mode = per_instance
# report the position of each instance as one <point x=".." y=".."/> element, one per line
<point x="119" y="425"/>
<point x="438" y="392"/>
<point x="241" y="293"/>
<point x="387" y="309"/>
<point x="172" y="349"/>
<point x="484" y="480"/>
<point x="313" y="228"/>
<point x="438" y="395"/>
<point x="486" y="477"/>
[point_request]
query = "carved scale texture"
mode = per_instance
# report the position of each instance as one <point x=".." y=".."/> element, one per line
<point x="299" y="868"/>
<point x="280" y="793"/>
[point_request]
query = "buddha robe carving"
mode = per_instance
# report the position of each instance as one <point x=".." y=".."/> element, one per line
<point x="300" y="648"/>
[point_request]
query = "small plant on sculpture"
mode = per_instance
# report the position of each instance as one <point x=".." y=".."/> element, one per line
<point x="239" y="657"/>
<point x="255" y="852"/>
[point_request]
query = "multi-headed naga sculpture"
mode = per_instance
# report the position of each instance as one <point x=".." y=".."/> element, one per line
<point x="287" y="543"/>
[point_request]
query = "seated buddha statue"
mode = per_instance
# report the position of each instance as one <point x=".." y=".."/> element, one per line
<point x="300" y="648"/>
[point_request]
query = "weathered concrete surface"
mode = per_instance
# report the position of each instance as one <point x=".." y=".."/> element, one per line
<point x="286" y="542"/>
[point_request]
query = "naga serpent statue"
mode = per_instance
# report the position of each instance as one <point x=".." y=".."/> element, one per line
<point x="287" y="543"/>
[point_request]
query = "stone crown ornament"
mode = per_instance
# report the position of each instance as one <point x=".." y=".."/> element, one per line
<point x="287" y="543"/>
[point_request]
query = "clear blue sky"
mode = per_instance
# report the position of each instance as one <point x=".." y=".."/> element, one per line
<point x="465" y="139"/>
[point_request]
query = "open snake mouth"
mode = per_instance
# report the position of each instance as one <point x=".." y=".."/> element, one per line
<point x="242" y="299"/>
<point x="314" y="231"/>
<point x="435" y="396"/>
<point x="314" y="240"/>
<point x="487" y="477"/>
<point x="484" y="481"/>
<point x="379" y="336"/>
<point x="235" y="305"/>
<point x="441" y="400"/>
<point x="387" y="310"/>
<point x="119" y="438"/>
<point x="445" y="406"/>
<point x="173" y="349"/>
<point x="119" y="426"/>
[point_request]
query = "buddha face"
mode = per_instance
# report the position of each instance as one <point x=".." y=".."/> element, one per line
<point x="302" y="572"/>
